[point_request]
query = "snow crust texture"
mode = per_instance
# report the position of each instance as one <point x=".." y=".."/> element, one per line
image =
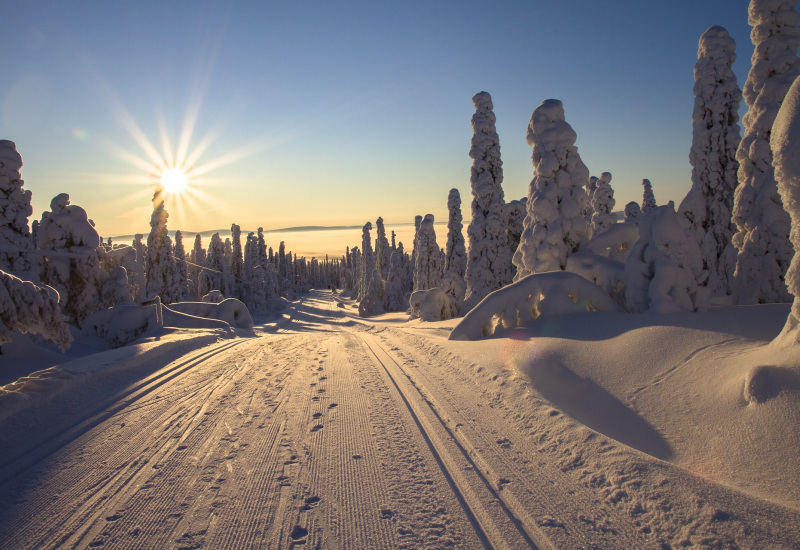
<point x="762" y="239"/>
<point x="555" y="225"/>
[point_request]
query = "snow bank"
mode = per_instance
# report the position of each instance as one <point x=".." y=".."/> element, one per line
<point x="231" y="311"/>
<point x="516" y="305"/>
<point x="122" y="324"/>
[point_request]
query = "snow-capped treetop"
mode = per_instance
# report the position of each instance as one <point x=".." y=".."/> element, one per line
<point x="489" y="259"/>
<point x="66" y="226"/>
<point x="555" y="225"/>
<point x="715" y="138"/>
<point x="633" y="212"/>
<point x="648" y="197"/>
<point x="16" y="247"/>
<point x="455" y="250"/>
<point x="428" y="268"/>
<point x="383" y="253"/>
<point x="602" y="205"/>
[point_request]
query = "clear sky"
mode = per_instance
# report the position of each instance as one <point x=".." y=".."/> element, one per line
<point x="335" y="113"/>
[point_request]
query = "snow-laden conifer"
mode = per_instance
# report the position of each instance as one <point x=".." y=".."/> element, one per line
<point x="455" y="250"/>
<point x="217" y="264"/>
<point x="197" y="271"/>
<point x="382" y="251"/>
<point x="555" y="225"/>
<point x="633" y="212"/>
<point x="648" y="197"/>
<point x="602" y="204"/>
<point x="367" y="261"/>
<point x="394" y="288"/>
<point x="488" y="256"/>
<point x="237" y="262"/>
<point x="16" y="245"/>
<point x="182" y="280"/>
<point x="762" y="239"/>
<point x="428" y="267"/>
<point x="516" y="211"/>
<point x="715" y="138"/>
<point x="160" y="268"/>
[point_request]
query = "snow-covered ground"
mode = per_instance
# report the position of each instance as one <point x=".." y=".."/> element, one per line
<point x="588" y="430"/>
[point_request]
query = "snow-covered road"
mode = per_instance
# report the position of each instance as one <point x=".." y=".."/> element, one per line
<point x="330" y="433"/>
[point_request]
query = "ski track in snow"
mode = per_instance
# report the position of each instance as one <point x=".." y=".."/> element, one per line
<point x="338" y="433"/>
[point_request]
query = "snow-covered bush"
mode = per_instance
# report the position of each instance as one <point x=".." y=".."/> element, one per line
<point x="632" y="213"/>
<point x="785" y="142"/>
<point x="70" y="258"/>
<point x="29" y="308"/>
<point x="762" y="239"/>
<point x="213" y="297"/>
<point x="488" y="256"/>
<point x="602" y="204"/>
<point x="122" y="324"/>
<point x="648" y="197"/>
<point x="715" y="138"/>
<point x="455" y="251"/>
<point x="664" y="271"/>
<point x="229" y="310"/>
<point x="16" y="246"/>
<point x="430" y="305"/>
<point x="428" y="267"/>
<point x="540" y="294"/>
<point x="555" y="225"/>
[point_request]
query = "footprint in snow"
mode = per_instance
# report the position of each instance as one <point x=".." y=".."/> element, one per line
<point x="316" y="428"/>
<point x="299" y="533"/>
<point x="333" y="405"/>
<point x="317" y="414"/>
<point x="311" y="502"/>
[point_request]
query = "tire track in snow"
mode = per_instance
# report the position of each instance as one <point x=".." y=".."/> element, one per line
<point x="479" y="499"/>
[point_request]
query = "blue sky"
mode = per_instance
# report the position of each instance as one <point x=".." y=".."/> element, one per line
<point x="335" y="113"/>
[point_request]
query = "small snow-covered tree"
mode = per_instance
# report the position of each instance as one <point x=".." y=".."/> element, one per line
<point x="648" y="197"/>
<point x="139" y="280"/>
<point x="218" y="266"/>
<point x="394" y="288"/>
<point x="382" y="251"/>
<point x="602" y="205"/>
<point x="428" y="267"/>
<point x="715" y="138"/>
<point x="16" y="245"/>
<point x="762" y="239"/>
<point x="633" y="213"/>
<point x="488" y="256"/>
<point x="26" y="307"/>
<point x="182" y="281"/>
<point x="372" y="302"/>
<point x="197" y="270"/>
<point x="555" y="225"/>
<point x="367" y="261"/>
<point x="71" y="258"/>
<point x="664" y="271"/>
<point x="455" y="250"/>
<point x="160" y="268"/>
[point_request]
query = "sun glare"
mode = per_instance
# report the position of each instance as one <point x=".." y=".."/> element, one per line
<point x="174" y="181"/>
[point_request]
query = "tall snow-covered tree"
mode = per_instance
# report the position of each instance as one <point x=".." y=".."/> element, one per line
<point x="160" y="268"/>
<point x="648" y="197"/>
<point x="218" y="265"/>
<point x="428" y="267"/>
<point x="367" y="261"/>
<point x="555" y="225"/>
<point x="602" y="205"/>
<point x="455" y="249"/>
<point x="237" y="261"/>
<point x="16" y="245"/>
<point x="488" y="256"/>
<point x="71" y="260"/>
<point x="715" y="138"/>
<point x="182" y="280"/>
<point x="762" y="239"/>
<point x="197" y="272"/>
<point x="382" y="251"/>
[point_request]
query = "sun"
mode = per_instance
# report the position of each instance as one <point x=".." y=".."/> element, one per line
<point x="174" y="181"/>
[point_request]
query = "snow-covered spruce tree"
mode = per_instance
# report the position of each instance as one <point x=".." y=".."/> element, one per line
<point x="715" y="138"/>
<point x="270" y="276"/>
<point x="785" y="143"/>
<point x="516" y="211"/>
<point x="254" y="280"/>
<point x="237" y="262"/>
<point x="367" y="261"/>
<point x="372" y="302"/>
<point x="417" y="223"/>
<point x="16" y="245"/>
<point x="555" y="225"/>
<point x="648" y="197"/>
<point x="139" y="280"/>
<point x="160" y="268"/>
<point x="70" y="260"/>
<point x="632" y="213"/>
<point x="26" y="307"/>
<point x="455" y="250"/>
<point x="488" y="256"/>
<point x="394" y="288"/>
<point x="382" y="251"/>
<point x="664" y="271"/>
<point x="762" y="239"/>
<point x="218" y="266"/>
<point x="182" y="280"/>
<point x="428" y="268"/>
<point x="197" y="271"/>
<point x="602" y="205"/>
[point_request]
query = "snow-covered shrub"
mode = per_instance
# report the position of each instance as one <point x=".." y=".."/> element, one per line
<point x="116" y="289"/>
<point x="615" y="243"/>
<point x="29" y="308"/>
<point x="555" y="225"/>
<point x="455" y="251"/>
<point x="213" y="297"/>
<point x="428" y="266"/>
<point x="602" y="204"/>
<point x="430" y="305"/>
<point x="664" y="271"/>
<point x="715" y="138"/>
<point x="230" y="310"/>
<point x="648" y="197"/>
<point x="541" y="294"/>
<point x="785" y="142"/>
<point x="632" y="213"/>
<point x="16" y="246"/>
<point x="762" y="239"/>
<point x="122" y="324"/>
<point x="70" y="258"/>
<point x="488" y="256"/>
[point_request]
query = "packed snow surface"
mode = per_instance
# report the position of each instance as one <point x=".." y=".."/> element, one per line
<point x="602" y="429"/>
